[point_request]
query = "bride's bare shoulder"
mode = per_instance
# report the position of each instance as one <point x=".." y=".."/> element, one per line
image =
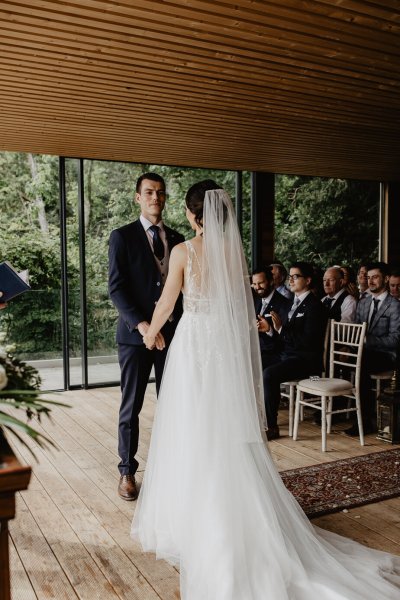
<point x="179" y="252"/>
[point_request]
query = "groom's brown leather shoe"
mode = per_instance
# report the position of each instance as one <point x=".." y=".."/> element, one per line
<point x="127" y="489"/>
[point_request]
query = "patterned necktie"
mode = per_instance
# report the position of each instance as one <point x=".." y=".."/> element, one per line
<point x="375" y="310"/>
<point x="328" y="302"/>
<point x="294" y="306"/>
<point x="158" y="246"/>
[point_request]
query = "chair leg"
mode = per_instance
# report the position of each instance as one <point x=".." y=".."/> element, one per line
<point x="292" y="390"/>
<point x="329" y="418"/>
<point x="299" y="396"/>
<point x="377" y="393"/>
<point x="323" y="423"/>
<point x="359" y="421"/>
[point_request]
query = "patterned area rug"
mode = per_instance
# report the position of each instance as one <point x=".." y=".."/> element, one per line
<point x="341" y="484"/>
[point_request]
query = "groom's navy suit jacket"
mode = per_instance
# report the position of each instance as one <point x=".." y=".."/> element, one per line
<point x="135" y="281"/>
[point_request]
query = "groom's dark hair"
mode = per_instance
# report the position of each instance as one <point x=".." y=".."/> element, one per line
<point x="152" y="177"/>
<point x="195" y="197"/>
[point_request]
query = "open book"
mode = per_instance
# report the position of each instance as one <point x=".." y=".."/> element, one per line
<point x="12" y="283"/>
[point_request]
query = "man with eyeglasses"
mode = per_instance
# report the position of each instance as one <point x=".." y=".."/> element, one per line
<point x="301" y="333"/>
<point x="341" y="306"/>
<point x="138" y="266"/>
<point x="382" y="313"/>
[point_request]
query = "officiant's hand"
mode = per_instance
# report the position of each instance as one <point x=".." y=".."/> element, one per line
<point x="2" y="304"/>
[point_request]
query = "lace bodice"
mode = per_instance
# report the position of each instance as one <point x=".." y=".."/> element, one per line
<point x="193" y="299"/>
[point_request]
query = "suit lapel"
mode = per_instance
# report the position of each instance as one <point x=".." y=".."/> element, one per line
<point x="367" y="307"/>
<point x="172" y="239"/>
<point x="145" y="242"/>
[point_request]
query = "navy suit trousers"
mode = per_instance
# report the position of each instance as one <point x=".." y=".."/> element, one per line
<point x="136" y="363"/>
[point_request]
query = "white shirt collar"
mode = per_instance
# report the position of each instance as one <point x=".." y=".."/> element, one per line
<point x="147" y="224"/>
<point x="335" y="297"/>
<point x="267" y="300"/>
<point x="303" y="296"/>
<point x="381" y="296"/>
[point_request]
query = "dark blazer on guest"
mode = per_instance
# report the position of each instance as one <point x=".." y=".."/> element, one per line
<point x="135" y="281"/>
<point x="280" y="305"/>
<point x="384" y="333"/>
<point x="303" y="335"/>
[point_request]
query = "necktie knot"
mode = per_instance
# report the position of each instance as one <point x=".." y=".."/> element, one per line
<point x="328" y="302"/>
<point x="158" y="245"/>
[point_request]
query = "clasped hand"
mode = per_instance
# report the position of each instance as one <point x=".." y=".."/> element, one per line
<point x="151" y="341"/>
<point x="264" y="326"/>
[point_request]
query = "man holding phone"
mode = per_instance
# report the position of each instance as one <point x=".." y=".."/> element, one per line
<point x="268" y="300"/>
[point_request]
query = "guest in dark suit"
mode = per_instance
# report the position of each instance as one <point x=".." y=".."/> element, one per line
<point x="267" y="299"/>
<point x="138" y="266"/>
<point x="302" y="334"/>
<point x="382" y="313"/>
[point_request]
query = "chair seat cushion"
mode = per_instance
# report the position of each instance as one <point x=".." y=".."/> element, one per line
<point x="385" y="375"/>
<point x="325" y="386"/>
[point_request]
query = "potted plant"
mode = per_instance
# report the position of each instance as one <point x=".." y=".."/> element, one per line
<point x="20" y="389"/>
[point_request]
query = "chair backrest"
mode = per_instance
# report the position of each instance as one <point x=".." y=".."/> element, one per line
<point x="346" y="347"/>
<point x="326" y="347"/>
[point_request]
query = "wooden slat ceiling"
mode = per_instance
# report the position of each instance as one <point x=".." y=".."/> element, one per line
<point x="306" y="87"/>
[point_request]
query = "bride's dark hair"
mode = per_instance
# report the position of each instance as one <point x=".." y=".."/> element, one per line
<point x="195" y="198"/>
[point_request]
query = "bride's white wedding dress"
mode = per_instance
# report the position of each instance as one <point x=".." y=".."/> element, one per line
<point x="212" y="501"/>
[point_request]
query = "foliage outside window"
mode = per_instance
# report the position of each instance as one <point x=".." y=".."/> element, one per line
<point x="327" y="221"/>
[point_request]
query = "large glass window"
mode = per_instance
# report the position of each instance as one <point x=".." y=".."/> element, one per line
<point x="58" y="228"/>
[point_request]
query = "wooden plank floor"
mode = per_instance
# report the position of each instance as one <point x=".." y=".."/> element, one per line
<point x="71" y="535"/>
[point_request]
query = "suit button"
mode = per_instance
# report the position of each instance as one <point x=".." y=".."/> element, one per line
<point x="158" y="283"/>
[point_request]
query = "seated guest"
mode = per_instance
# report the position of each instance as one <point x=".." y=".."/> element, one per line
<point x="350" y="281"/>
<point x="267" y="299"/>
<point x="362" y="280"/>
<point x="340" y="305"/>
<point x="382" y="313"/>
<point x="394" y="284"/>
<point x="302" y="333"/>
<point x="279" y="274"/>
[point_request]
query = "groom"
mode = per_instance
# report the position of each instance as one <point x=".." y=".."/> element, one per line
<point x="138" y="266"/>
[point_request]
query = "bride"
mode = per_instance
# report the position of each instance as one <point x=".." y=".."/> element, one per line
<point x="212" y="502"/>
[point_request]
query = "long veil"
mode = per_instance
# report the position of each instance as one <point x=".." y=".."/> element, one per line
<point x="212" y="501"/>
<point x="225" y="282"/>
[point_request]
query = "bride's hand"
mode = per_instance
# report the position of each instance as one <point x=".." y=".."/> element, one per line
<point x="160" y="341"/>
<point x="151" y="341"/>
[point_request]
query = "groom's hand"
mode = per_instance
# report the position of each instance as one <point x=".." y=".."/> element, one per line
<point x="152" y="342"/>
<point x="142" y="327"/>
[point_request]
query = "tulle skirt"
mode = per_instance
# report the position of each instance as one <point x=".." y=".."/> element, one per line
<point x="213" y="504"/>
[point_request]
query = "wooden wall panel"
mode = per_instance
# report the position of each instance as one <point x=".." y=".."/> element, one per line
<point x="307" y="87"/>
